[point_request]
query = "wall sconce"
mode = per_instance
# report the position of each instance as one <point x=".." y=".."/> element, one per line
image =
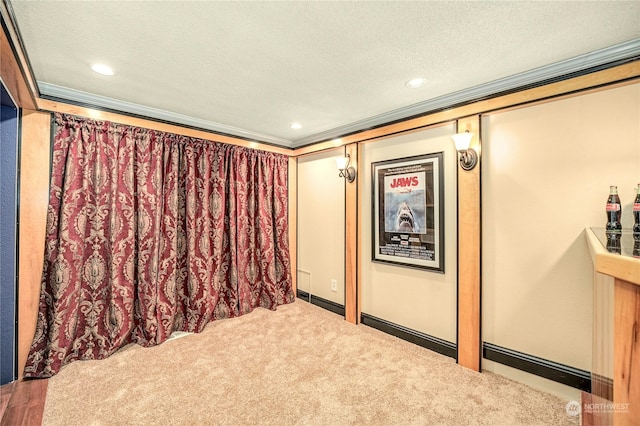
<point x="345" y="171"/>
<point x="468" y="157"/>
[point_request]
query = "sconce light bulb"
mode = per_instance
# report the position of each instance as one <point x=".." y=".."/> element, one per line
<point x="462" y="140"/>
<point x="342" y="162"/>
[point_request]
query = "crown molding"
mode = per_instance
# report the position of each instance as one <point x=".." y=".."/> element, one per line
<point x="549" y="73"/>
<point x="60" y="93"/>
<point x="564" y="69"/>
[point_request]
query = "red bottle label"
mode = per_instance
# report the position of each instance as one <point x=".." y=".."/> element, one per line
<point x="613" y="207"/>
<point x="636" y="207"/>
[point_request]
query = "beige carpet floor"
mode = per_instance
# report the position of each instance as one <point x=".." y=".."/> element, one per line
<point x="299" y="365"/>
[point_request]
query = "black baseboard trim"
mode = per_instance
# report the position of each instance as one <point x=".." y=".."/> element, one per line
<point x="426" y="341"/>
<point x="561" y="373"/>
<point x="334" y="307"/>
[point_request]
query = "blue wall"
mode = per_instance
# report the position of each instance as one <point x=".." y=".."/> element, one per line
<point x="8" y="234"/>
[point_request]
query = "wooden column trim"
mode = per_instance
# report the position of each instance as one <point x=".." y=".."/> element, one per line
<point x="469" y="341"/>
<point x="34" y="201"/>
<point x="351" y="304"/>
<point x="293" y="221"/>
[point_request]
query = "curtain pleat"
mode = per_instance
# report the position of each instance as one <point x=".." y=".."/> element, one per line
<point x="150" y="233"/>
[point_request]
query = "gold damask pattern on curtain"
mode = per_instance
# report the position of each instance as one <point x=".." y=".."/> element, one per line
<point x="150" y="233"/>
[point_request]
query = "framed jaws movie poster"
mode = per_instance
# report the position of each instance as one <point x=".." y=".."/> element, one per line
<point x="408" y="212"/>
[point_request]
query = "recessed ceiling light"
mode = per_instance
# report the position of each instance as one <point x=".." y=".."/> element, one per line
<point x="102" y="69"/>
<point x="414" y="83"/>
<point x="296" y="126"/>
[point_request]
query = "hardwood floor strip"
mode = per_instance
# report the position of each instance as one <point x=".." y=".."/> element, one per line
<point x="26" y="405"/>
<point x="5" y="395"/>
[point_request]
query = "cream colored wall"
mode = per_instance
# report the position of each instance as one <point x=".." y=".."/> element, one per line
<point x="545" y="176"/>
<point x="417" y="299"/>
<point x="321" y="225"/>
<point x="546" y="172"/>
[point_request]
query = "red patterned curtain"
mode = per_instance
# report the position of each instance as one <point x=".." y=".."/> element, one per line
<point x="150" y="233"/>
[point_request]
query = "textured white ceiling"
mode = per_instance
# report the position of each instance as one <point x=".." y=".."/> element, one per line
<point x="252" y="68"/>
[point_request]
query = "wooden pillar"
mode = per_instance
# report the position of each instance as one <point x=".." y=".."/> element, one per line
<point x="293" y="221"/>
<point x="34" y="201"/>
<point x="351" y="293"/>
<point x="469" y="341"/>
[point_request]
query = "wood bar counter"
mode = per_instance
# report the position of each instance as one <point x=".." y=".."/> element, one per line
<point x="616" y="259"/>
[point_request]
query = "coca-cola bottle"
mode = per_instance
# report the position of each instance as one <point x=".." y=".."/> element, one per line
<point x="636" y="214"/>
<point x="614" y="210"/>
<point x="613" y="242"/>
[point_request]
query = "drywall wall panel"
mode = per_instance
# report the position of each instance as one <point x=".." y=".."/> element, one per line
<point x="321" y="205"/>
<point x="418" y="299"/>
<point x="546" y="173"/>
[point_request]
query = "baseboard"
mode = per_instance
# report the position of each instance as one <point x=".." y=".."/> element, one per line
<point x="561" y="373"/>
<point x="426" y="341"/>
<point x="334" y="307"/>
